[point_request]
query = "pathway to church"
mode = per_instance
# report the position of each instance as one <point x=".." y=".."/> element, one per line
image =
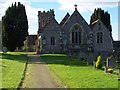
<point x="38" y="75"/>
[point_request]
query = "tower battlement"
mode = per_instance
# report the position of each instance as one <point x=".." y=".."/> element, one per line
<point x="44" y="17"/>
<point x="51" y="11"/>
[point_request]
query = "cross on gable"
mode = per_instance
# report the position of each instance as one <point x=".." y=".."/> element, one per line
<point x="75" y="6"/>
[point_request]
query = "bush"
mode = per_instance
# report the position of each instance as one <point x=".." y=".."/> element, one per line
<point x="98" y="63"/>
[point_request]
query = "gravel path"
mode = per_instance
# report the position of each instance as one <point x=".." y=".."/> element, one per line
<point x="38" y="75"/>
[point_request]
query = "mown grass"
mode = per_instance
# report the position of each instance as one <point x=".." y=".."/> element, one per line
<point x="77" y="74"/>
<point x="13" y="66"/>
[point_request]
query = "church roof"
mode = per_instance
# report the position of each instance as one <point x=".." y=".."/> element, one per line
<point x="64" y="19"/>
<point x="53" y="20"/>
<point x="76" y="17"/>
<point x="95" y="22"/>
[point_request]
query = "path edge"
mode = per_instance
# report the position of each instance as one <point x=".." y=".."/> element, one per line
<point x="23" y="77"/>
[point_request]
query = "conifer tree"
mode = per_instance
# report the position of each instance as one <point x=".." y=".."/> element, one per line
<point x="14" y="26"/>
<point x="103" y="16"/>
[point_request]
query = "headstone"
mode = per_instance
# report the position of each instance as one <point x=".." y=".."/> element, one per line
<point x="4" y="49"/>
<point x="91" y="58"/>
<point x="110" y="62"/>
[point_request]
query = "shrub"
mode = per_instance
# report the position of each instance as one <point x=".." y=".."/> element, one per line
<point x="98" y="63"/>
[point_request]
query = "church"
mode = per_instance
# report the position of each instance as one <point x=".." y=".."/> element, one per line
<point x="72" y="35"/>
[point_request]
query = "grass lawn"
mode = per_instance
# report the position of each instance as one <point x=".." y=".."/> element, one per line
<point x="13" y="65"/>
<point x="76" y="74"/>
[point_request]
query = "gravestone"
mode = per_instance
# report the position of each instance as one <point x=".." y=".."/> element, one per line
<point x="4" y="49"/>
<point x="91" y="58"/>
<point x="110" y="62"/>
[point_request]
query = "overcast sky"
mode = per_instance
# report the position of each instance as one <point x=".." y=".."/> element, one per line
<point x="61" y="7"/>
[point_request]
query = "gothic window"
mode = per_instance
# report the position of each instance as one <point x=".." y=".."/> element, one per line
<point x="72" y="37"/>
<point x="76" y="37"/>
<point x="99" y="37"/>
<point x="76" y="34"/>
<point x="79" y="37"/>
<point x="52" y="40"/>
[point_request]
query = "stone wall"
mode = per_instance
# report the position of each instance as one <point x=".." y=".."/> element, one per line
<point x="106" y="46"/>
<point x="52" y="29"/>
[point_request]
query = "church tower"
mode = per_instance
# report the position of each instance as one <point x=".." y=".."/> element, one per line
<point x="44" y="18"/>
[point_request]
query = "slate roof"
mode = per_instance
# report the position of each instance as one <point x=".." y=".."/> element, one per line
<point x="64" y="19"/>
<point x="76" y="17"/>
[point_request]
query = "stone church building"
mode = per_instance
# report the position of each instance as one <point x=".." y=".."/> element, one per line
<point x="72" y="35"/>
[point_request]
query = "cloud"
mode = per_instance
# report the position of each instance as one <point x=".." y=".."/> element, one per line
<point x="67" y="5"/>
<point x="43" y="1"/>
<point x="32" y="14"/>
<point x="30" y="11"/>
<point x="87" y="5"/>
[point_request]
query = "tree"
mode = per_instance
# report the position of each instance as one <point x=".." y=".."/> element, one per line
<point x="14" y="26"/>
<point x="103" y="16"/>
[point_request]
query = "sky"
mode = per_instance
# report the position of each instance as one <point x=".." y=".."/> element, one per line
<point x="61" y="7"/>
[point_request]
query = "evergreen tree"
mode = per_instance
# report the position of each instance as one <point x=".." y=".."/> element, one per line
<point x="103" y="16"/>
<point x="14" y="26"/>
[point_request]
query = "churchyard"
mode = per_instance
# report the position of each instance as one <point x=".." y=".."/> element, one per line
<point x="13" y="65"/>
<point x="72" y="35"/>
<point x="77" y="74"/>
<point x="72" y="71"/>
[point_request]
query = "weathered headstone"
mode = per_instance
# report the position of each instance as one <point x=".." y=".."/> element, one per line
<point x="91" y="58"/>
<point x="4" y="49"/>
<point x="110" y="62"/>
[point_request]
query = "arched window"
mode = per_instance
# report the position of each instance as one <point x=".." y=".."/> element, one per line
<point x="76" y="37"/>
<point x="76" y="34"/>
<point x="72" y="37"/>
